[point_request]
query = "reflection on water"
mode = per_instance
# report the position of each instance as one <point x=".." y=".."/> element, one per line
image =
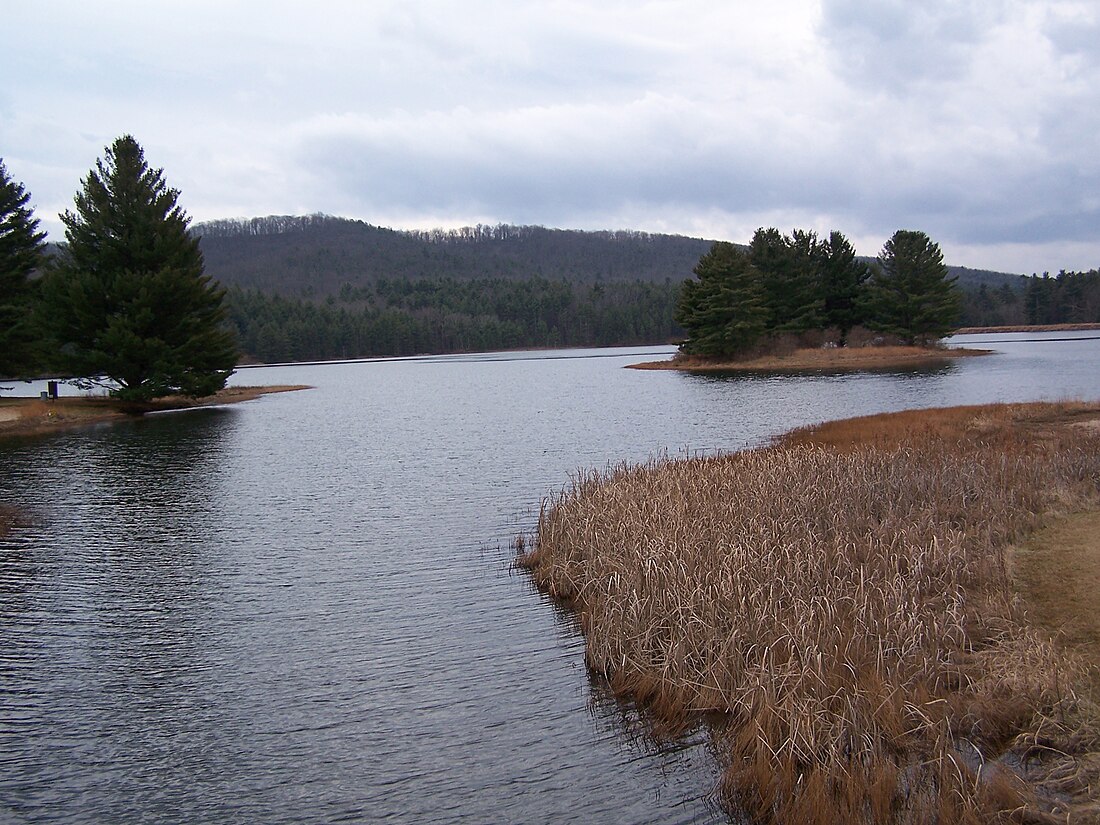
<point x="300" y="609"/>
<point x="925" y="370"/>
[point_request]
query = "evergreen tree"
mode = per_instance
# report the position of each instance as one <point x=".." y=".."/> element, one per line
<point x="723" y="312"/>
<point x="128" y="300"/>
<point x="21" y="250"/>
<point x="843" y="280"/>
<point x="910" y="294"/>
<point x="788" y="268"/>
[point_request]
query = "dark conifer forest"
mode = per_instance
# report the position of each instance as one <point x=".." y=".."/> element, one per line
<point x="317" y="287"/>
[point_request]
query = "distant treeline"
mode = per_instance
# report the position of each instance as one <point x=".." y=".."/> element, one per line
<point x="406" y="316"/>
<point x="316" y="288"/>
<point x="1066" y="298"/>
<point x="313" y="256"/>
<point x="403" y="316"/>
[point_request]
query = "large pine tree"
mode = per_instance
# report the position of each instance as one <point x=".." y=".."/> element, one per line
<point x="787" y="266"/>
<point x="21" y="247"/>
<point x="842" y="281"/>
<point x="910" y="294"/>
<point x="724" y="311"/>
<point x="128" y="301"/>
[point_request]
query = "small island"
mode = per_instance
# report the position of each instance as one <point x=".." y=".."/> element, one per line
<point x="797" y="303"/>
<point x="821" y="359"/>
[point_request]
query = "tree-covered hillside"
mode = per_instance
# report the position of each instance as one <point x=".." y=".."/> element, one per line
<point x="401" y="316"/>
<point x="316" y="256"/>
<point x="316" y="287"/>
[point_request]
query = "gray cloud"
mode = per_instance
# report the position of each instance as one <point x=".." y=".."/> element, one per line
<point x="894" y="44"/>
<point x="977" y="122"/>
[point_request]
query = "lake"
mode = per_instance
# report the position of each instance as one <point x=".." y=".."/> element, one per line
<point x="301" y="608"/>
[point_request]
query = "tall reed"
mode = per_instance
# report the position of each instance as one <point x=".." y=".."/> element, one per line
<point x="849" y="613"/>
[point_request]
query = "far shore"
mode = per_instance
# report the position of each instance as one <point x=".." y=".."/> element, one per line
<point x="23" y="416"/>
<point x="841" y="359"/>
<point x="1025" y="328"/>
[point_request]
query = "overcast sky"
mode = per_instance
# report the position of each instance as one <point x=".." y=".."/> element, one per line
<point x="977" y="121"/>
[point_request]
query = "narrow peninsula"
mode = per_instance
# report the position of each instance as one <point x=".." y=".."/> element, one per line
<point x="882" y="620"/>
<point x="39" y="416"/>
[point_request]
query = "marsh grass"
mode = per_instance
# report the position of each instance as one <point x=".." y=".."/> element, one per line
<point x="844" y="605"/>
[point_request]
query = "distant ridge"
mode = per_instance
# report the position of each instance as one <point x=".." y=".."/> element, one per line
<point x="315" y="256"/>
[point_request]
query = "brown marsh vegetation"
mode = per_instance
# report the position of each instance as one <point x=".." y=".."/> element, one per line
<point x="841" y="605"/>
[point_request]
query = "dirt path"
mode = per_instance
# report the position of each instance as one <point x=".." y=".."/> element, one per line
<point x="1057" y="568"/>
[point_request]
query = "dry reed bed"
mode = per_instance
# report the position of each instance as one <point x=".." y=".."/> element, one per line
<point x="848" y="613"/>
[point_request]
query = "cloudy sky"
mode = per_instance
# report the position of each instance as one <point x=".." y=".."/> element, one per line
<point x="977" y="121"/>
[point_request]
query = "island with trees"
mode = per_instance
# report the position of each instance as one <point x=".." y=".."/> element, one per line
<point x="797" y="301"/>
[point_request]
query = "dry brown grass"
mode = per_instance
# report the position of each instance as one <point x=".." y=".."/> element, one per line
<point x="848" y="612"/>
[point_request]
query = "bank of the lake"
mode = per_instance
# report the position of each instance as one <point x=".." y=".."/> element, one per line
<point x="830" y="359"/>
<point x="1027" y="328"/>
<point x="850" y="608"/>
<point x="20" y="416"/>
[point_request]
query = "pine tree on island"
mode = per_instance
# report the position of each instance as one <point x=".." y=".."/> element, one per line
<point x="127" y="303"/>
<point x="843" y="280"/>
<point x="793" y="285"/>
<point x="724" y="310"/>
<point x="910" y="294"/>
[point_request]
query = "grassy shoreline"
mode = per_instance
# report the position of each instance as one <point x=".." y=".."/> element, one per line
<point x="848" y="609"/>
<point x="20" y="416"/>
<point x="806" y="360"/>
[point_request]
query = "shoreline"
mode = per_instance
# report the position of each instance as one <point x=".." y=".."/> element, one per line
<point x="874" y="618"/>
<point x="28" y="416"/>
<point x="1026" y="328"/>
<point x="836" y="359"/>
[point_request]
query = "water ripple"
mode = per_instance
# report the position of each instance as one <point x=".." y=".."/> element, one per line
<point x="300" y="609"/>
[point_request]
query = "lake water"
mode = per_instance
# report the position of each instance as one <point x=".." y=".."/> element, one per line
<point x="301" y="609"/>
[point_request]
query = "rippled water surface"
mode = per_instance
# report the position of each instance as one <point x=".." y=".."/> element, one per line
<point x="300" y="609"/>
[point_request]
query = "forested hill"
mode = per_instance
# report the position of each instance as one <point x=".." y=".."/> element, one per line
<point x="317" y="287"/>
<point x="315" y="256"/>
